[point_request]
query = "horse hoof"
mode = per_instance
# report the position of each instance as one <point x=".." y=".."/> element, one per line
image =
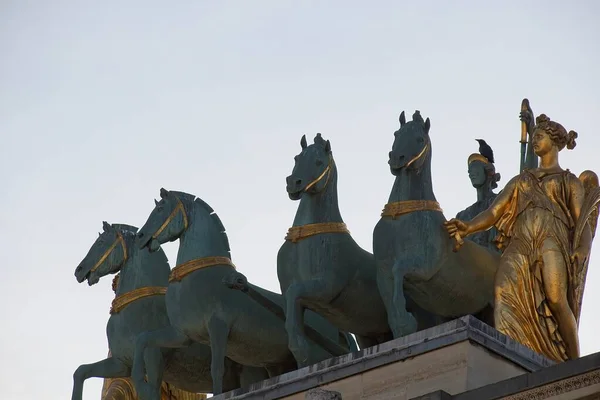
<point x="408" y="326"/>
<point x="300" y="352"/>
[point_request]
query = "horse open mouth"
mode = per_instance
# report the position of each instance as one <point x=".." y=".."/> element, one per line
<point x="92" y="279"/>
<point x="295" y="195"/>
<point x="395" y="168"/>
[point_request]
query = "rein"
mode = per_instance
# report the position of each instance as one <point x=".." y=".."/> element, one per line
<point x="297" y="233"/>
<point x="179" y="207"/>
<point x="110" y="249"/>
<point x="181" y="271"/>
<point x="122" y="301"/>
<point x="398" y="208"/>
<point x="326" y="171"/>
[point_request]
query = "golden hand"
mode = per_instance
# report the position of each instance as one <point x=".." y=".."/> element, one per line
<point x="458" y="230"/>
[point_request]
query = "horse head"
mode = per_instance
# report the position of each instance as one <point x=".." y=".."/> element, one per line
<point x="108" y="253"/>
<point x="166" y="222"/>
<point x="411" y="144"/>
<point x="312" y="169"/>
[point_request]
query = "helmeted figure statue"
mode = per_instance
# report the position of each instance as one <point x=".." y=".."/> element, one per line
<point x="484" y="179"/>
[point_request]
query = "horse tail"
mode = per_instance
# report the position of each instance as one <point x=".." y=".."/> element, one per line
<point x="347" y="339"/>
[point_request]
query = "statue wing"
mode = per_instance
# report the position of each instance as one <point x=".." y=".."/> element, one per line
<point x="589" y="215"/>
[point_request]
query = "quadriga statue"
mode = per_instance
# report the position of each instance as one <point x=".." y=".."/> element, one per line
<point x="202" y="309"/>
<point x="139" y="306"/>
<point x="543" y="219"/>
<point x="415" y="257"/>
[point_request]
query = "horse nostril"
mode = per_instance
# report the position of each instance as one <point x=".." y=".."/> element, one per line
<point x="401" y="158"/>
<point x="78" y="269"/>
<point x="298" y="182"/>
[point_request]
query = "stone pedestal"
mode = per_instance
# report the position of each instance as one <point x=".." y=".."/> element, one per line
<point x="452" y="358"/>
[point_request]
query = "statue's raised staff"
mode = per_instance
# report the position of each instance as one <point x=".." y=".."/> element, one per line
<point x="139" y="306"/>
<point x="542" y="216"/>
<point x="202" y="309"/>
<point x="414" y="255"/>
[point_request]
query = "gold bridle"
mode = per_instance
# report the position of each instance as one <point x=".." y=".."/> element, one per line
<point x="178" y="207"/>
<point x="119" y="239"/>
<point x="326" y="171"/>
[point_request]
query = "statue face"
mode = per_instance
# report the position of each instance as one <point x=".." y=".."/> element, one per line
<point x="477" y="174"/>
<point x="542" y="142"/>
<point x="311" y="171"/>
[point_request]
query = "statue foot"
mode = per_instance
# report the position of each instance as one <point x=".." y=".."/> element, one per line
<point x="403" y="325"/>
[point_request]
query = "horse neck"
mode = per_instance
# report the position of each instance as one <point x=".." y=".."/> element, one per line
<point x="202" y="238"/>
<point x="322" y="206"/>
<point x="413" y="184"/>
<point x="142" y="269"/>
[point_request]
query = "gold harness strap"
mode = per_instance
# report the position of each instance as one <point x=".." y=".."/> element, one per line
<point x="180" y="271"/>
<point x="326" y="171"/>
<point x="297" y="233"/>
<point x="122" y="301"/>
<point x="179" y="207"/>
<point x="110" y="249"/>
<point x="398" y="208"/>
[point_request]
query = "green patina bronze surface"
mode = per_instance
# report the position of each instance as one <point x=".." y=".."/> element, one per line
<point x="414" y="255"/>
<point x="202" y="309"/>
<point x="327" y="272"/>
<point x="186" y="368"/>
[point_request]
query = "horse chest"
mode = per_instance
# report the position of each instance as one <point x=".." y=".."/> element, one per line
<point x="307" y="258"/>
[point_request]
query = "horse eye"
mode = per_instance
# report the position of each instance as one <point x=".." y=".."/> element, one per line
<point x="319" y="163"/>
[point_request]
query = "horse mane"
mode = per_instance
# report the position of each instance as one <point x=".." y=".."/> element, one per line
<point x="213" y="215"/>
<point x="125" y="228"/>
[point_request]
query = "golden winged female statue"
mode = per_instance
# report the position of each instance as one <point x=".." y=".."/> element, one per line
<point x="544" y="219"/>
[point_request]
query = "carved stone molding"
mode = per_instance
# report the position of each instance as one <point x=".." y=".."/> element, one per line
<point x="558" y="388"/>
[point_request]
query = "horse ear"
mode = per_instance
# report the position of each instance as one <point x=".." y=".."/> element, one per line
<point x="328" y="147"/>
<point x="163" y="193"/>
<point x="427" y="125"/>
<point x="303" y="142"/>
<point x="155" y="202"/>
<point x="106" y="226"/>
<point x="402" y="118"/>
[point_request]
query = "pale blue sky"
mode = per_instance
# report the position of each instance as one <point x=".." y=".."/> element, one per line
<point x="103" y="103"/>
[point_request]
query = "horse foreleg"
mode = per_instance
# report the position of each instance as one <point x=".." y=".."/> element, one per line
<point x="391" y="290"/>
<point x="148" y="360"/>
<point x="319" y="289"/>
<point x="414" y="269"/>
<point x="401" y="321"/>
<point x="108" y="368"/>
<point x="218" y="332"/>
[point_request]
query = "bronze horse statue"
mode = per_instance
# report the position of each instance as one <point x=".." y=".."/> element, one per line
<point x="202" y="309"/>
<point x="139" y="306"/>
<point x="415" y="257"/>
